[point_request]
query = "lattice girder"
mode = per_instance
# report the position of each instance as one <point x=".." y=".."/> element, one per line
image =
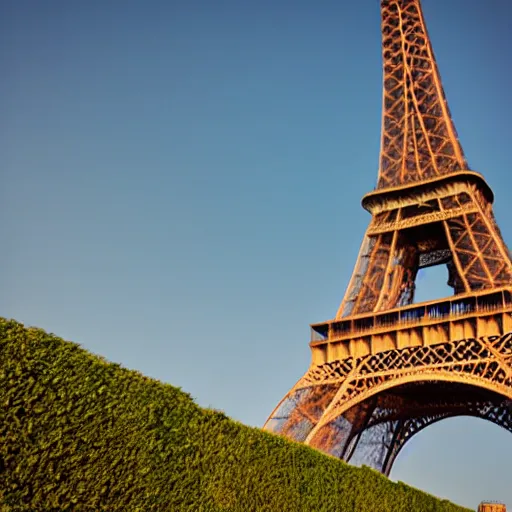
<point x="419" y="140"/>
<point x="450" y="221"/>
<point x="500" y="414"/>
<point x="384" y="433"/>
<point x="334" y="404"/>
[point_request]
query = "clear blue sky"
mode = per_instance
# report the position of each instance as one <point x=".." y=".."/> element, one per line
<point x="181" y="187"/>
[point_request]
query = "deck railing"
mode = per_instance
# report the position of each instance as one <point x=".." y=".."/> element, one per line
<point x="479" y="304"/>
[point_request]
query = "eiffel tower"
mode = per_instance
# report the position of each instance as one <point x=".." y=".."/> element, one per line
<point x="385" y="368"/>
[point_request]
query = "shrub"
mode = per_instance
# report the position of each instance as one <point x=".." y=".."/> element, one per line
<point x="79" y="433"/>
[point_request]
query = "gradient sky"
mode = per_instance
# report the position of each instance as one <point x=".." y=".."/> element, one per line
<point x="181" y="185"/>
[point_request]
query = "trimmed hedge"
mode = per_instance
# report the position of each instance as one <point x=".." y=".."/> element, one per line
<point x="79" y="433"/>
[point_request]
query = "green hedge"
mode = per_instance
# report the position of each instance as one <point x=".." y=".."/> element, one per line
<point x="79" y="433"/>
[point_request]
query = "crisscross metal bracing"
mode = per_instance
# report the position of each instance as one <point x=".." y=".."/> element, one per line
<point x="384" y="369"/>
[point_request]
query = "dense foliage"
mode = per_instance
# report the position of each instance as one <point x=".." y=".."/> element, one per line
<point x="79" y="433"/>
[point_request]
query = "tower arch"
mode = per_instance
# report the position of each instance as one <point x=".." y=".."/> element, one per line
<point x="375" y="430"/>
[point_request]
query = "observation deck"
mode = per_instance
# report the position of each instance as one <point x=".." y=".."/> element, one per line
<point x="459" y="317"/>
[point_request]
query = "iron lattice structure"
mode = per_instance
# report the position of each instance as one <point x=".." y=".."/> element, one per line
<point x="384" y="368"/>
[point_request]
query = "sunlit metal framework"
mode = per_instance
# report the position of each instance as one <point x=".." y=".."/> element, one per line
<point x="385" y="368"/>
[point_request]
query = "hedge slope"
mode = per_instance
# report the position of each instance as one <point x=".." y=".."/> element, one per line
<point x="79" y="433"/>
